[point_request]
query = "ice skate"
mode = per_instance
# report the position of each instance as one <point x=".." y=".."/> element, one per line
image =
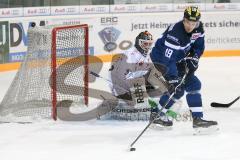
<point x="160" y="121"/>
<point x="202" y="127"/>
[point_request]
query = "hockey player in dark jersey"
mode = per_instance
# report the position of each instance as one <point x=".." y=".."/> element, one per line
<point x="180" y="47"/>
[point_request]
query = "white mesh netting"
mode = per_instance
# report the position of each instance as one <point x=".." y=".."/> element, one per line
<point x="30" y="95"/>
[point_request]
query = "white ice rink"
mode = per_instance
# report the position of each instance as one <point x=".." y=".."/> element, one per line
<point x="109" y="140"/>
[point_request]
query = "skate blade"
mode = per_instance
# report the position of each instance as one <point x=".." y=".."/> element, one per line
<point x="206" y="131"/>
<point x="160" y="127"/>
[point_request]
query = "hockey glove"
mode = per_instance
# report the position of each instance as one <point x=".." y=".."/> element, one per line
<point x="192" y="63"/>
<point x="181" y="67"/>
<point x="174" y="82"/>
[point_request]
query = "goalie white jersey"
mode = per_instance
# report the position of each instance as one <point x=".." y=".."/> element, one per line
<point x="129" y="65"/>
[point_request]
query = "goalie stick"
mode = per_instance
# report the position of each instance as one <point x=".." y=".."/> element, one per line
<point x="107" y="80"/>
<point x="224" y="105"/>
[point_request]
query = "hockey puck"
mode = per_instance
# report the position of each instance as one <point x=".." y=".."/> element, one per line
<point x="132" y="149"/>
<point x="33" y="24"/>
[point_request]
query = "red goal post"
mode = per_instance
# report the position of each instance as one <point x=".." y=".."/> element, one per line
<point x="54" y="64"/>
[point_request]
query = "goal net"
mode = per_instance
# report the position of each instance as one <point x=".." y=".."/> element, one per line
<point x="55" y="69"/>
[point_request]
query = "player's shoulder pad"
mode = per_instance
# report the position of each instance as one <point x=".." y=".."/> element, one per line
<point x="175" y="26"/>
<point x="173" y="35"/>
<point x="170" y="28"/>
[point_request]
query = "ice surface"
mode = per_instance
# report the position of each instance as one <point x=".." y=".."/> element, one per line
<point x="109" y="140"/>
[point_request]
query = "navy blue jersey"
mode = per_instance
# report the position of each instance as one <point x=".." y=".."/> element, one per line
<point x="175" y="44"/>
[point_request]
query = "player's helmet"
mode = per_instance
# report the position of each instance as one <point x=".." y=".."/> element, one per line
<point x="192" y="13"/>
<point x="143" y="42"/>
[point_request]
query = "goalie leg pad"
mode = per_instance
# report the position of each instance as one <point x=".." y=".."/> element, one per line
<point x="138" y="90"/>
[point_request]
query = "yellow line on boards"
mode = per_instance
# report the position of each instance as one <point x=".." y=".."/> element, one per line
<point x="108" y="58"/>
<point x="224" y="53"/>
<point x="9" y="66"/>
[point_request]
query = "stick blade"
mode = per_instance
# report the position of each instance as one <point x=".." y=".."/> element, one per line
<point x="224" y="105"/>
<point x="219" y="105"/>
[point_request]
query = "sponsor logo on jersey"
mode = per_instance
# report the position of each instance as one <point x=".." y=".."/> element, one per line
<point x="173" y="38"/>
<point x="195" y="36"/>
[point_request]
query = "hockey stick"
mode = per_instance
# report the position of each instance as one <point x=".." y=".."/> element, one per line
<point x="108" y="80"/>
<point x="224" y="105"/>
<point x="169" y="99"/>
<point x="116" y="85"/>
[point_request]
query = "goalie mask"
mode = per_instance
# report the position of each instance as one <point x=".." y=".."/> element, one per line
<point x="144" y="42"/>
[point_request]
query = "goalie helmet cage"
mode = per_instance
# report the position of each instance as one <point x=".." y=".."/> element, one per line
<point x="55" y="68"/>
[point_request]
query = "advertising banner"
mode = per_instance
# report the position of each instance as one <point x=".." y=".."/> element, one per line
<point x="64" y="10"/>
<point x="114" y="33"/>
<point x="223" y="6"/>
<point x="94" y="9"/>
<point x="136" y="7"/>
<point x="36" y="11"/>
<point x="11" y="12"/>
<point x="125" y="8"/>
<point x="17" y="36"/>
<point x="4" y="42"/>
<point x="157" y="7"/>
<point x="181" y="6"/>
